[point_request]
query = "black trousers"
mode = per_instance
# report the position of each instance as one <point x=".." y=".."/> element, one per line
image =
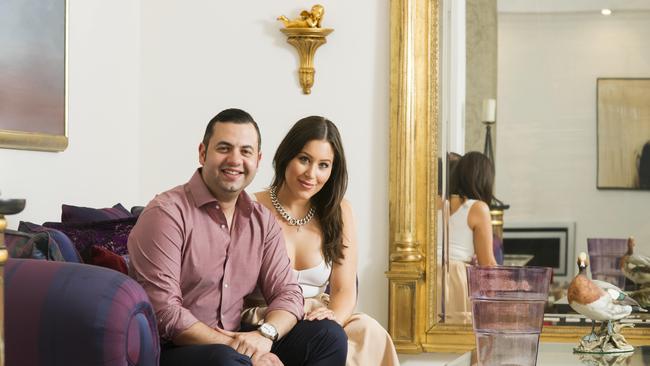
<point x="309" y="343"/>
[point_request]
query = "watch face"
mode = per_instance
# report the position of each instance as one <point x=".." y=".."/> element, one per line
<point x="269" y="331"/>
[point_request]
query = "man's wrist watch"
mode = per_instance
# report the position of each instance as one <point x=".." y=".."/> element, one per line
<point x="268" y="331"/>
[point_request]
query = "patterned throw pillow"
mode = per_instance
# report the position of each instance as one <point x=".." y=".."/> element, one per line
<point x="71" y="213"/>
<point x="66" y="246"/>
<point x="111" y="234"/>
<point x="35" y="246"/>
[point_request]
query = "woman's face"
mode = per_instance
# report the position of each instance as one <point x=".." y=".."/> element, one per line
<point x="307" y="172"/>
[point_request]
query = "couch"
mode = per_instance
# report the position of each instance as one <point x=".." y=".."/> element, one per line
<point x="62" y="311"/>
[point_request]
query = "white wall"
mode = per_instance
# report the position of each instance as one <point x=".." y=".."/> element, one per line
<point x="142" y="89"/>
<point x="201" y="58"/>
<point x="100" y="166"/>
<point x="547" y="156"/>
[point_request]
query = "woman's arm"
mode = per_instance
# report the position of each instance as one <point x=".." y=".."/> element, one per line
<point x="343" y="280"/>
<point x="480" y="221"/>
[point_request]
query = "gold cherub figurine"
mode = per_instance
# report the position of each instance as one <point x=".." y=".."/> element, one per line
<point x="308" y="19"/>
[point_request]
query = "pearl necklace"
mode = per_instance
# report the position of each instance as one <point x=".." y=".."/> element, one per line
<point x="285" y="215"/>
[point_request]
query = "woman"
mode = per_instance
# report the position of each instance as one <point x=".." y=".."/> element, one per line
<point x="319" y="230"/>
<point x="470" y="229"/>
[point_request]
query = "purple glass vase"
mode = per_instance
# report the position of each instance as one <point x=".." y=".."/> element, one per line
<point x="604" y="260"/>
<point x="508" y="312"/>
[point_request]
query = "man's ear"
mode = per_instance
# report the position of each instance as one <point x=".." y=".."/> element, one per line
<point x="259" y="158"/>
<point x="202" y="151"/>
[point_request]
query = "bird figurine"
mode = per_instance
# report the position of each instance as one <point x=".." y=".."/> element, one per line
<point x="635" y="266"/>
<point x="598" y="300"/>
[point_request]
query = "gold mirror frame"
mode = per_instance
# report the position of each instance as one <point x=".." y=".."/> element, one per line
<point x="414" y="121"/>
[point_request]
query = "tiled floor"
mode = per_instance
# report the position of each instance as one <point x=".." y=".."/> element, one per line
<point x="427" y="359"/>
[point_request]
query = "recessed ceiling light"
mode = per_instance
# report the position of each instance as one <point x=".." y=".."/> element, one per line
<point x="606" y="12"/>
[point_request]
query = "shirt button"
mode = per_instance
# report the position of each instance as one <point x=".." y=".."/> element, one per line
<point x="218" y="207"/>
<point x="223" y="226"/>
<point x="225" y="285"/>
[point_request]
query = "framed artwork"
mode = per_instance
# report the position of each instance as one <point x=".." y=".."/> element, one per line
<point x="623" y="133"/>
<point x="33" y="88"/>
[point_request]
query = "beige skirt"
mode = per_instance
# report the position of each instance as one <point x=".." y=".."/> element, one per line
<point x="368" y="341"/>
<point x="458" y="309"/>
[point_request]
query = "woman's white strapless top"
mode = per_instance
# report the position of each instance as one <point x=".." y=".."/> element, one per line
<point x="313" y="281"/>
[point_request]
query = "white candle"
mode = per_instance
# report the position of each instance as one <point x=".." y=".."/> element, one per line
<point x="489" y="110"/>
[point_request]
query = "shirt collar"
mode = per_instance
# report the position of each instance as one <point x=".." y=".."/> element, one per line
<point x="202" y="195"/>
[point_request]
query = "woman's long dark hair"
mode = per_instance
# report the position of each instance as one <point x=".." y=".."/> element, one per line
<point x="473" y="177"/>
<point x="327" y="202"/>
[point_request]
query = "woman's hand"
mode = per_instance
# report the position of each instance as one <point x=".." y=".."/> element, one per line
<point x="320" y="314"/>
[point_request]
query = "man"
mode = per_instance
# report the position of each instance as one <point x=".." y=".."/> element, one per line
<point x="200" y="248"/>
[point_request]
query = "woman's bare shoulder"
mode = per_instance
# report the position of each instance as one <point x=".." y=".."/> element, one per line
<point x="479" y="212"/>
<point x="480" y="206"/>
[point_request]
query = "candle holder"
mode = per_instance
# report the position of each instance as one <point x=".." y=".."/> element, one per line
<point x="7" y="207"/>
<point x="488" y="117"/>
<point x="497" y="207"/>
<point x="489" y="120"/>
<point x="488" y="150"/>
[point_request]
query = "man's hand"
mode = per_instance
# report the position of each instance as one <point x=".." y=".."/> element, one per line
<point x="269" y="359"/>
<point x="251" y="344"/>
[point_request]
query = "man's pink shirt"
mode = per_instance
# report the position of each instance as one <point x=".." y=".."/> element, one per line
<point x="194" y="268"/>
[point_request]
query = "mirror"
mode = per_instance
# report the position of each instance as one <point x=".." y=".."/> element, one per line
<point x="541" y="63"/>
<point x="544" y="63"/>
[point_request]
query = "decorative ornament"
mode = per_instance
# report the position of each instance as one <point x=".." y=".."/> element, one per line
<point x="306" y="35"/>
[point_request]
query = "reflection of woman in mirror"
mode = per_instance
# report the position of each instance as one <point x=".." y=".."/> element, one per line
<point x="470" y="228"/>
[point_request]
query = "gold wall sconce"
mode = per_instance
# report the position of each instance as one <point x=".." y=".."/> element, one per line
<point x="306" y="35"/>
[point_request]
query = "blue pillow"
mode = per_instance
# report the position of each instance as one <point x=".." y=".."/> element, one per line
<point x="66" y="246"/>
<point x="32" y="245"/>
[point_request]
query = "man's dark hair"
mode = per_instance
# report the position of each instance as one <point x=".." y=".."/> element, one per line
<point x="231" y="115"/>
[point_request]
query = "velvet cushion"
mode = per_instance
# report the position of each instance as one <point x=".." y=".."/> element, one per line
<point x="137" y="210"/>
<point x="111" y="234"/>
<point x="103" y="257"/>
<point x="66" y="246"/>
<point x="35" y="246"/>
<point x="71" y="213"/>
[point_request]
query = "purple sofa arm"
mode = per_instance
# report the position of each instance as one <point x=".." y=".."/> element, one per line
<point x="60" y="313"/>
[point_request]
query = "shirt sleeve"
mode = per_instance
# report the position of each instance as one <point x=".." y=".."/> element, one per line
<point x="277" y="279"/>
<point x="155" y="253"/>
